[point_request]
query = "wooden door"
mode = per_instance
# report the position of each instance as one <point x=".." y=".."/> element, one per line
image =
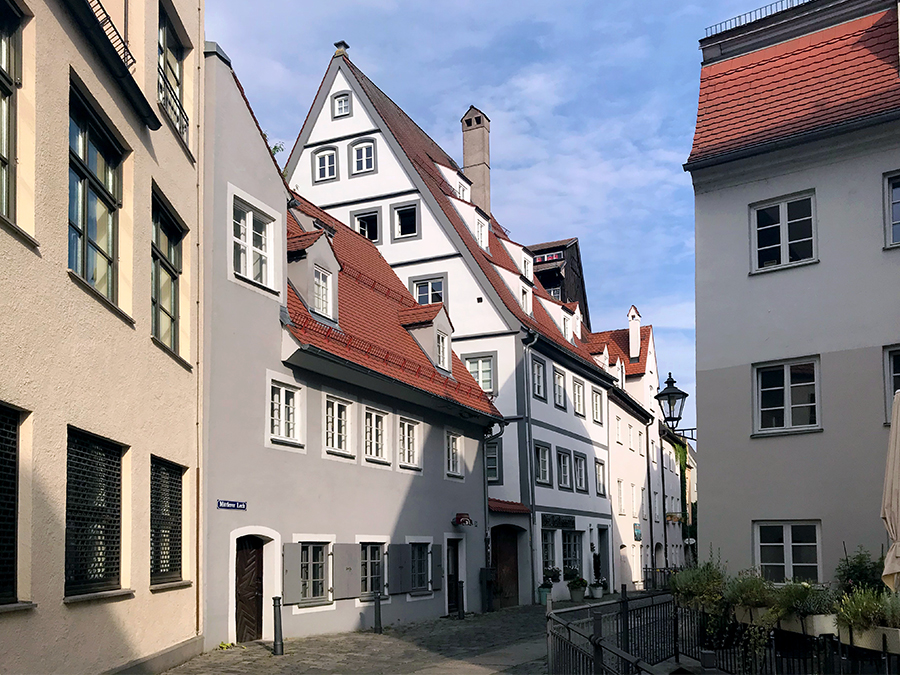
<point x="248" y="589"/>
<point x="505" y="549"/>
<point x="453" y="598"/>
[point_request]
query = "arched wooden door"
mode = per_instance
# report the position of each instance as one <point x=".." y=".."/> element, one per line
<point x="248" y="588"/>
<point x="505" y="553"/>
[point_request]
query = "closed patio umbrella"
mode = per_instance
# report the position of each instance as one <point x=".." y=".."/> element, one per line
<point x="890" y="501"/>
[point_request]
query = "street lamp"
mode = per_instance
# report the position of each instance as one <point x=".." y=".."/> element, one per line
<point x="672" y="401"/>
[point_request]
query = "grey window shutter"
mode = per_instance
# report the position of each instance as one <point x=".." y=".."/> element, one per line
<point x="291" y="581"/>
<point x="437" y="566"/>
<point x="345" y="581"/>
<point x="399" y="568"/>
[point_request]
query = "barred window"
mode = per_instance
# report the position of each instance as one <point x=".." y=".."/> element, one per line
<point x="165" y="521"/>
<point x="419" y="567"/>
<point x="93" y="514"/>
<point x="9" y="447"/>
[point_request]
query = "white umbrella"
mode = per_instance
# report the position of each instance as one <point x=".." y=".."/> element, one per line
<point x="890" y="501"/>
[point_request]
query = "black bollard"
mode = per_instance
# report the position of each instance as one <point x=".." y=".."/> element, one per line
<point x="278" y="644"/>
<point x="460" y="604"/>
<point x="378" y="612"/>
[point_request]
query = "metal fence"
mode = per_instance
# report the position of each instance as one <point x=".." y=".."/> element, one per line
<point x="755" y="15"/>
<point x="657" y="578"/>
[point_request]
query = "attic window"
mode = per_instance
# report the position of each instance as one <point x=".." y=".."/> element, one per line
<point x="478" y="119"/>
<point x="322" y="292"/>
<point x="367" y="224"/>
<point x="406" y="220"/>
<point x="481" y="232"/>
<point x="461" y="191"/>
<point x="526" y="267"/>
<point x="443" y="351"/>
<point x="526" y="300"/>
<point x="566" y="332"/>
<point x="468" y="122"/>
<point x="341" y="105"/>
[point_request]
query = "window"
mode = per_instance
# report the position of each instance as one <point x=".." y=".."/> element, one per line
<point x="783" y="233"/>
<point x="94" y="160"/>
<point x="322" y="291"/>
<point x="171" y="75"/>
<point x="621" y="497"/>
<point x="597" y="406"/>
<point x="600" y="475"/>
<point x="548" y="548"/>
<point x="566" y="331"/>
<point x="406" y="221"/>
<point x="643" y="503"/>
<point x="641" y="442"/>
<point x="526" y="267"/>
<point x="251" y="243"/>
<point x="538" y="379"/>
<point x="419" y="554"/>
<point x="482" y="369"/>
<point x="362" y="157"/>
<point x="443" y="351"/>
<point x="313" y="585"/>
<point x="571" y="542"/>
<point x="542" y="464"/>
<point x="408" y="455"/>
<point x="341" y="106"/>
<point x="93" y="514"/>
<point x="165" y="521"/>
<point x="634" y="501"/>
<point x="580" y="473"/>
<point x="564" y="469"/>
<point x="555" y="292"/>
<point x="631" y="438"/>
<point x="653" y="451"/>
<point x="165" y="254"/>
<point x="526" y="300"/>
<point x="893" y="211"/>
<point x="10" y="20"/>
<point x="283" y="412"/>
<point x="578" y="397"/>
<point x="481" y="233"/>
<point x="462" y="191"/>
<point x="9" y="497"/>
<point x="325" y="165"/>
<point x="374" y="432"/>
<point x="786" y="396"/>
<point x="429" y="291"/>
<point x="892" y="377"/>
<point x="336" y="425"/>
<point x="370" y="570"/>
<point x="492" y="461"/>
<point x="367" y="225"/>
<point x="618" y="430"/>
<point x="454" y="449"/>
<point x="788" y="551"/>
<point x="559" y="389"/>
<point x="658" y="506"/>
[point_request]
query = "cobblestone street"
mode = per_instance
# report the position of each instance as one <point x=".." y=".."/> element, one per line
<point x="510" y="640"/>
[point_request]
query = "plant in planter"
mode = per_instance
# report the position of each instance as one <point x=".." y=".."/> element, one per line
<point x="570" y="573"/>
<point x="576" y="588"/>
<point x="746" y="591"/>
<point x="552" y="574"/>
<point x="805" y="608"/>
<point x="859" y="571"/>
<point x="703" y="585"/>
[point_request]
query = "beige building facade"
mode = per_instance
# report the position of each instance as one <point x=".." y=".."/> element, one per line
<point x="99" y="109"/>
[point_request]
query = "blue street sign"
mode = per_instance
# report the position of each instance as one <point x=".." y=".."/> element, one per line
<point x="228" y="504"/>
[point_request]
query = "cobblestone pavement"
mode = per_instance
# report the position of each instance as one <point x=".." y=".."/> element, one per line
<point x="509" y="640"/>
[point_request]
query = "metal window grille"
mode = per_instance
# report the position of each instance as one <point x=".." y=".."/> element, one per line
<point x="9" y="445"/>
<point x="93" y="514"/>
<point x="165" y="521"/>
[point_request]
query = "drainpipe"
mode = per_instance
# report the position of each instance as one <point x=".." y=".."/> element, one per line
<point x="662" y="479"/>
<point x="487" y="530"/>
<point x="529" y="339"/>
<point x="651" y="505"/>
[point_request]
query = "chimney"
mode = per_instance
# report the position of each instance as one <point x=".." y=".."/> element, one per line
<point x="476" y="128"/>
<point x="634" y="333"/>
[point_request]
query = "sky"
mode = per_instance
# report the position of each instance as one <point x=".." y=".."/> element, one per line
<point x="592" y="107"/>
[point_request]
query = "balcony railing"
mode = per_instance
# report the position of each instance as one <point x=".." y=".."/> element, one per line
<point x="171" y="103"/>
<point x="106" y="23"/>
<point x="755" y="15"/>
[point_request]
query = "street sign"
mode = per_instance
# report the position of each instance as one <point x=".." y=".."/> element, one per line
<point x="231" y="505"/>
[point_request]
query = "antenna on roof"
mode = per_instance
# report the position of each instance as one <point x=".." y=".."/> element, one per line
<point x="341" y="47"/>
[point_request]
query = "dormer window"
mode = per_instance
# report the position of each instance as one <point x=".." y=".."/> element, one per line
<point x="566" y="328"/>
<point x="526" y="267"/>
<point x="325" y="165"/>
<point x="322" y="292"/>
<point x="481" y="233"/>
<point x="341" y="105"/>
<point x="526" y="300"/>
<point x="462" y="192"/>
<point x="362" y="157"/>
<point x="443" y="351"/>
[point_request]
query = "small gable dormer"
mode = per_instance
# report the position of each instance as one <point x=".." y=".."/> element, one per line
<point x="313" y="271"/>
<point x="430" y="326"/>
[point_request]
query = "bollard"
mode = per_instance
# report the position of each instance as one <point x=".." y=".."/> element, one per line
<point x="626" y="637"/>
<point x="278" y="644"/>
<point x="378" y="628"/>
<point x="597" y="637"/>
<point x="675" y="633"/>
<point x="460" y="603"/>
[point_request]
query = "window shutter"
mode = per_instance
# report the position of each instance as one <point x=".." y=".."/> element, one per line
<point x="345" y="580"/>
<point x="291" y="587"/>
<point x="399" y="568"/>
<point x="437" y="566"/>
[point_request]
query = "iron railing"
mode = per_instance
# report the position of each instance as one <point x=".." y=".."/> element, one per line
<point x="170" y="100"/>
<point x="106" y="23"/>
<point x="755" y="15"/>
<point x="573" y="650"/>
<point x="657" y="578"/>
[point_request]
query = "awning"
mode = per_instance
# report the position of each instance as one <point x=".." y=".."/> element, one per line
<point x="501" y="506"/>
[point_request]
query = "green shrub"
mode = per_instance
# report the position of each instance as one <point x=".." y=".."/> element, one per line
<point x="890" y="609"/>
<point x="804" y="599"/>
<point x="704" y="583"/>
<point x="860" y="609"/>
<point x="749" y="589"/>
<point x="859" y="570"/>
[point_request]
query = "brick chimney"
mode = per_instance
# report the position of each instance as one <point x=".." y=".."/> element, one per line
<point x="476" y="128"/>
<point x="634" y="333"/>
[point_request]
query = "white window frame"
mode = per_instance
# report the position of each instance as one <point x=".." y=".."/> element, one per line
<point x="526" y="299"/>
<point x="542" y="468"/>
<point x="787" y="403"/>
<point x="280" y="416"/>
<point x="783" y="224"/>
<point x="578" y="397"/>
<point x="331" y="172"/>
<point x="618" y="430"/>
<point x="564" y="468"/>
<point x="788" y="545"/>
<point x="643" y="503"/>
<point x="640" y="443"/>
<point x="548" y="548"/>
<point x="442" y="344"/>
<point x="600" y="476"/>
<point x="245" y="240"/>
<point x="526" y="268"/>
<point x="889" y="240"/>
<point x="653" y="451"/>
<point x="395" y="217"/>
<point x="371" y="450"/>
<point x="326" y="569"/>
<point x="567" y="333"/>
<point x="453" y="453"/>
<point x="481" y="233"/>
<point x="657" y="504"/>
<point x="408" y="443"/>
<point x="621" y="496"/>
<point x="331" y="436"/>
<point x="492" y="451"/>
<point x="631" y="437"/>
<point x="579" y="466"/>
<point x="322" y="292"/>
<point x="339" y="110"/>
<point x="538" y="379"/>
<point x="889" y="374"/>
<point x="634" y="502"/>
<point x="479" y="371"/>
<point x="597" y="406"/>
<point x="559" y="389"/>
<point x="461" y="191"/>
<point x="358" y="151"/>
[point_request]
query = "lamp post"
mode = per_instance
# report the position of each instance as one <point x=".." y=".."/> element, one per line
<point x="672" y="401"/>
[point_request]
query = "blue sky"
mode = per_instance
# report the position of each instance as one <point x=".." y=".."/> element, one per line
<point x="592" y="108"/>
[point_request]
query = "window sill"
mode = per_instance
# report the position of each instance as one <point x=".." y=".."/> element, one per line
<point x="559" y="407"/>
<point x="543" y="484"/>
<point x="17" y="607"/>
<point x="892" y="247"/>
<point x="456" y="476"/>
<point x="172" y="355"/>
<point x="286" y="441"/>
<point x="400" y="237"/>
<point x="379" y="460"/>
<point x="410" y="467"/>
<point x="420" y="593"/>
<point x="19" y="233"/>
<point x="542" y="399"/>
<point x="582" y="491"/>
<point x="786" y="432"/>
<point x="565" y="488"/>
<point x="184" y="146"/>
<point x="340" y="453"/>
<point x="109" y="304"/>
<point x="170" y="586"/>
<point x="101" y="595"/>
<point x="325" y="180"/>
<point x="256" y="284"/>
<point x="581" y="415"/>
<point x="786" y="266"/>
<point x="313" y="603"/>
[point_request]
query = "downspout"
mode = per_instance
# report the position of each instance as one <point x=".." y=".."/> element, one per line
<point x="662" y="477"/>
<point x="527" y="341"/>
<point x="487" y="530"/>
<point x="650" y="494"/>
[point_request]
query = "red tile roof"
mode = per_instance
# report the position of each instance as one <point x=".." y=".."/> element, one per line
<point x="502" y="506"/>
<point x="298" y="242"/>
<point x="370" y="305"/>
<point x="552" y="244"/>
<point x="618" y="345"/>
<point x="828" y="78"/>
<point x="423" y="314"/>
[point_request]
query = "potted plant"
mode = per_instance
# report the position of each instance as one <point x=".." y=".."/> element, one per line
<point x="596" y="589"/>
<point x="576" y="588"/>
<point x="551" y="575"/>
<point x="865" y="615"/>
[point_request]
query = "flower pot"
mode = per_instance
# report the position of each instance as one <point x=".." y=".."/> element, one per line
<point x="871" y="639"/>
<point x="542" y="595"/>
<point x="815" y="624"/>
<point x="577" y="594"/>
<point x="596" y="591"/>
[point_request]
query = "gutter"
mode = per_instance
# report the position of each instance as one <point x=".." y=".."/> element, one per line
<point x="529" y="339"/>
<point x="487" y="528"/>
